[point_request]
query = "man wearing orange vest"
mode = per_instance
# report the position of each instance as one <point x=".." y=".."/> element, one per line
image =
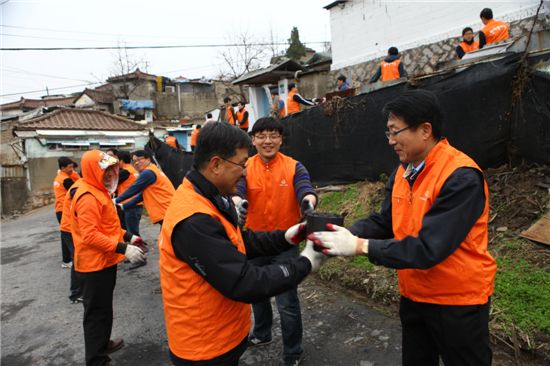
<point x="172" y="141"/>
<point x="468" y="43"/>
<point x="66" y="176"/>
<point x="493" y="30"/>
<point x="293" y="100"/>
<point x="127" y="176"/>
<point x="99" y="244"/>
<point x="242" y="116"/>
<point x="206" y="276"/>
<point x="276" y="188"/>
<point x="391" y="68"/>
<point x="194" y="137"/>
<point x="152" y="187"/>
<point x="433" y="228"/>
<point x="229" y="111"/>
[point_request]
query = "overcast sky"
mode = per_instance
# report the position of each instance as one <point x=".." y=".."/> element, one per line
<point x="78" y="23"/>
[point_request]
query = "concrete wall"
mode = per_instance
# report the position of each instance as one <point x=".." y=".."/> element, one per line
<point x="365" y="29"/>
<point x="167" y="106"/>
<point x="424" y="59"/>
<point x="14" y="194"/>
<point x="314" y="85"/>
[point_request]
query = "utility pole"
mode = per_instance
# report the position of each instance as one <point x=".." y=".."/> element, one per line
<point x="47" y="91"/>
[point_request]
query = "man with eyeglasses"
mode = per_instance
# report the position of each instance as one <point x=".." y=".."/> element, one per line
<point x="207" y="277"/>
<point x="432" y="228"/>
<point x="278" y="190"/>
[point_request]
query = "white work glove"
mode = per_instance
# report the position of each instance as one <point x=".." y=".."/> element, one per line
<point x="340" y="241"/>
<point x="315" y="258"/>
<point x="138" y="242"/>
<point x="296" y="234"/>
<point x="134" y="254"/>
<point x="118" y="205"/>
<point x="242" y="210"/>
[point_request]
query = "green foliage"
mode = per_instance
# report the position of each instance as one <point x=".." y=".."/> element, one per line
<point x="362" y="262"/>
<point x="522" y="294"/>
<point x="296" y="49"/>
<point x="345" y="202"/>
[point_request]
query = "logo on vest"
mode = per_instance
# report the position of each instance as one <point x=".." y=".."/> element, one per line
<point x="425" y="196"/>
<point x="283" y="183"/>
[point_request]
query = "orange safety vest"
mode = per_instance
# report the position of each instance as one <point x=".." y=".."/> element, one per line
<point x="390" y="70"/>
<point x="201" y="323"/>
<point x="59" y="189"/>
<point x="194" y="136"/>
<point x="122" y="187"/>
<point x="469" y="47"/>
<point x="270" y="192"/>
<point x="467" y="276"/>
<point x="240" y="114"/>
<point x="87" y="257"/>
<point x="158" y="195"/>
<point x="172" y="141"/>
<point x="292" y="105"/>
<point x="65" y="223"/>
<point x="229" y="115"/>
<point x="495" y="31"/>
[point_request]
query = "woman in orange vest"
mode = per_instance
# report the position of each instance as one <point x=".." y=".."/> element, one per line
<point x="391" y="68"/>
<point x="206" y="277"/>
<point x="433" y="228"/>
<point x="468" y="43"/>
<point x="99" y="244"/>
<point x="493" y="30"/>
<point x="66" y="176"/>
<point x="242" y="116"/>
<point x="152" y="187"/>
<point x="229" y="111"/>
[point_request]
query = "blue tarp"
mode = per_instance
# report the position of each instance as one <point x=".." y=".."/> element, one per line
<point x="132" y="105"/>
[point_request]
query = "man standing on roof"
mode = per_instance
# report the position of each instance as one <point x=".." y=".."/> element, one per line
<point x="99" y="243"/>
<point x="293" y="100"/>
<point x="242" y="116"/>
<point x="279" y="191"/>
<point x="66" y="176"/>
<point x="432" y="228"/>
<point x="468" y="43"/>
<point x="391" y="68"/>
<point x="206" y="276"/>
<point x="152" y="187"/>
<point x="493" y="30"/>
<point x="342" y="84"/>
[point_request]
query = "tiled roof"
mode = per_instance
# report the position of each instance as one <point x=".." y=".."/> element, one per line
<point x="80" y="119"/>
<point x="104" y="97"/>
<point x="138" y="74"/>
<point x="37" y="103"/>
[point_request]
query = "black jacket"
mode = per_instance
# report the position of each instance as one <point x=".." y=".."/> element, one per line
<point x="444" y="227"/>
<point x="201" y="241"/>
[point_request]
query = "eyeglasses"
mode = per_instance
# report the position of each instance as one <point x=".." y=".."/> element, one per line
<point x="272" y="137"/>
<point x="390" y="134"/>
<point x="139" y="159"/>
<point x="241" y="165"/>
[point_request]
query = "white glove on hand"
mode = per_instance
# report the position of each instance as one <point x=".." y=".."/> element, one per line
<point x="242" y="210"/>
<point x="135" y="239"/>
<point x="315" y="258"/>
<point x="118" y="205"/>
<point x="338" y="242"/>
<point x="296" y="234"/>
<point x="134" y="254"/>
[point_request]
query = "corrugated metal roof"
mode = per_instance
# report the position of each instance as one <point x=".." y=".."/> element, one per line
<point x="80" y="119"/>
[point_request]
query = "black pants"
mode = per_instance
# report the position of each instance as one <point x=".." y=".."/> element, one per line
<point x="75" y="287"/>
<point x="459" y="334"/>
<point x="97" y="290"/>
<point x="230" y="358"/>
<point x="65" y="252"/>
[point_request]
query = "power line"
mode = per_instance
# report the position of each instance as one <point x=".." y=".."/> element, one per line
<point x="40" y="90"/>
<point x="25" y="72"/>
<point x="148" y="47"/>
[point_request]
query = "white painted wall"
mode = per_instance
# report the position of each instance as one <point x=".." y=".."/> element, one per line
<point x="364" y="29"/>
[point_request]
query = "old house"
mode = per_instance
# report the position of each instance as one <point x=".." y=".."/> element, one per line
<point x="100" y="98"/>
<point x="40" y="141"/>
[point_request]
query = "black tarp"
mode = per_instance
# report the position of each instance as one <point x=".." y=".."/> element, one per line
<point x="343" y="140"/>
<point x="174" y="163"/>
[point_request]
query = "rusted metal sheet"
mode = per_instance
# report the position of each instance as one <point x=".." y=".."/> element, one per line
<point x="539" y="231"/>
